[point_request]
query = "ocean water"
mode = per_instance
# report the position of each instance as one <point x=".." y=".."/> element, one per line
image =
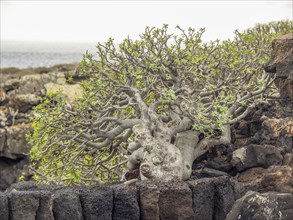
<point x="36" y="54"/>
<point x="36" y="59"/>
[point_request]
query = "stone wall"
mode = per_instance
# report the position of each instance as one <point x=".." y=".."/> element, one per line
<point x="204" y="199"/>
<point x="281" y="63"/>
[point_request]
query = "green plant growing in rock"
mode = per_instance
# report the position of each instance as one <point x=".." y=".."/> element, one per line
<point x="156" y="104"/>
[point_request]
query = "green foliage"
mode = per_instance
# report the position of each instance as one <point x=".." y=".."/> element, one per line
<point x="207" y="80"/>
<point x="54" y="157"/>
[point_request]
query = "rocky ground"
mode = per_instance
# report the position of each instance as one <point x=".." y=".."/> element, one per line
<point x="20" y="91"/>
<point x="250" y="179"/>
<point x="261" y="153"/>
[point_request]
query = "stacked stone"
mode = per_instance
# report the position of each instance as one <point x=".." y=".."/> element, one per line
<point x="282" y="63"/>
<point x="205" y="199"/>
<point x="18" y="95"/>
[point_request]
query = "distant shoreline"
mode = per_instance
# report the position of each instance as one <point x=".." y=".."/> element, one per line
<point x="41" y="54"/>
<point x="14" y="72"/>
<point x="35" y="59"/>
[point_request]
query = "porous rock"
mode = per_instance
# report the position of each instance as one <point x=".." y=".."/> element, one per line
<point x="277" y="127"/>
<point x="278" y="178"/>
<point x="241" y="188"/>
<point x="126" y="203"/>
<point x="10" y="170"/>
<point x="4" y="211"/>
<point x="16" y="143"/>
<point x="2" y="139"/>
<point x="160" y="200"/>
<point x="275" y="178"/>
<point x="282" y="63"/>
<point x="288" y="159"/>
<point x="97" y="203"/>
<point x="278" y="131"/>
<point x="149" y="200"/>
<point x="270" y="123"/>
<point x="66" y="205"/>
<point x="281" y="56"/>
<point x="3" y="116"/>
<point x="26" y="101"/>
<point x="224" y="197"/>
<point x="31" y="84"/>
<point x="256" y="155"/>
<point x="203" y="191"/>
<point x="71" y="92"/>
<point x="175" y="201"/>
<point x="23" y="204"/>
<point x="268" y="206"/>
<point x="23" y="186"/>
<point x="45" y="211"/>
<point x="212" y="197"/>
<point x="10" y="84"/>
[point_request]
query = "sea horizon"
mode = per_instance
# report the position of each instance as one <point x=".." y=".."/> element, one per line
<point x="30" y="54"/>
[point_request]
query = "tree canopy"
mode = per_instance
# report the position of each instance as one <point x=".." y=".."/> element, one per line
<point x="141" y="95"/>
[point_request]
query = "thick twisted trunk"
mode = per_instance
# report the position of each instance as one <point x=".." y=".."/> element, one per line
<point x="159" y="159"/>
<point x="153" y="151"/>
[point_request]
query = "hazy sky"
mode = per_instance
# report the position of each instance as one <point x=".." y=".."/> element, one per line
<point x="93" y="21"/>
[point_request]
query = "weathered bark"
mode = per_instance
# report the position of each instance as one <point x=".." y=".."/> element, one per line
<point x="159" y="159"/>
<point x="187" y="142"/>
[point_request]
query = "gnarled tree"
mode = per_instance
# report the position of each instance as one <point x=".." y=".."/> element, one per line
<point x="156" y="104"/>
